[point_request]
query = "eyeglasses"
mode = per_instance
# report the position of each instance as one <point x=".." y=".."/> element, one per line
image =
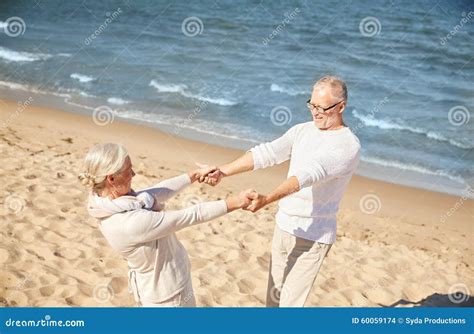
<point x="320" y="109"/>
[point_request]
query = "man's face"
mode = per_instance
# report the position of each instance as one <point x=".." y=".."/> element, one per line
<point x="322" y="97"/>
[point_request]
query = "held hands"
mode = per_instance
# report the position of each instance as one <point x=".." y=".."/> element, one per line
<point x="258" y="202"/>
<point x="210" y="175"/>
<point x="241" y="201"/>
<point x="248" y="200"/>
<point x="202" y="173"/>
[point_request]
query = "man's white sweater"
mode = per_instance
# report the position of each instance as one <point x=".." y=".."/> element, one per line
<point x="323" y="161"/>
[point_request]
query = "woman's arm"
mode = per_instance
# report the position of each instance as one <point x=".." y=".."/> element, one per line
<point x="170" y="187"/>
<point x="147" y="225"/>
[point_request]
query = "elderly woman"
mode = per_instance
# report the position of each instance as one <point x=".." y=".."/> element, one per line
<point x="133" y="224"/>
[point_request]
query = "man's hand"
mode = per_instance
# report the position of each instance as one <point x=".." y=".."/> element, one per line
<point x="202" y="172"/>
<point x="258" y="202"/>
<point x="213" y="177"/>
<point x="240" y="201"/>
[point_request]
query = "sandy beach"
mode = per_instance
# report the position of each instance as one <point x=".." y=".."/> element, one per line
<point x="396" y="246"/>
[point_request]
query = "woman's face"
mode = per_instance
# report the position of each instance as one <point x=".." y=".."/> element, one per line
<point x="121" y="182"/>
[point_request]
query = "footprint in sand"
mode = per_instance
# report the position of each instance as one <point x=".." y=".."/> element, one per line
<point x="246" y="286"/>
<point x="119" y="284"/>
<point x="69" y="253"/>
<point x="47" y="291"/>
<point x="65" y="209"/>
<point x="79" y="300"/>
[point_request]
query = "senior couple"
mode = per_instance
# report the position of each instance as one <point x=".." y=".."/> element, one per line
<point x="323" y="155"/>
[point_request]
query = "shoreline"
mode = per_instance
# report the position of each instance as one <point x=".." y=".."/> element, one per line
<point x="53" y="254"/>
<point x="408" y="178"/>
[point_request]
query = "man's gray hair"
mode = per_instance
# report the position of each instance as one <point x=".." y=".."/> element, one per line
<point x="338" y="86"/>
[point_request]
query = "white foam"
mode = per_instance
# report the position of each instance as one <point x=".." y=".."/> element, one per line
<point x="20" y="56"/>
<point x="81" y="77"/>
<point x="182" y="90"/>
<point x="412" y="167"/>
<point x="167" y="88"/>
<point x="117" y="101"/>
<point x="14" y="85"/>
<point x="218" y="101"/>
<point x="391" y="125"/>
<point x="288" y="91"/>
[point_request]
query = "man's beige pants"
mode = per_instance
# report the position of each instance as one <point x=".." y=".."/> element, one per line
<point x="294" y="265"/>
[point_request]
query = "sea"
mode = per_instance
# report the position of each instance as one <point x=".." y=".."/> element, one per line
<point x="238" y="73"/>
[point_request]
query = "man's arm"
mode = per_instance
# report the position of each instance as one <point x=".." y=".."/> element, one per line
<point x="261" y="156"/>
<point x="287" y="187"/>
<point x="240" y="165"/>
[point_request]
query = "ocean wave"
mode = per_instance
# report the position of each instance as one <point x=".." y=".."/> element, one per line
<point x="21" y="56"/>
<point x="182" y="90"/>
<point x="71" y="91"/>
<point x="117" y="101"/>
<point x="390" y="125"/>
<point x="178" y="124"/>
<point x="65" y="93"/>
<point x="288" y="91"/>
<point x="22" y="87"/>
<point x="81" y="77"/>
<point x="14" y="86"/>
<point x="412" y="168"/>
<point x="168" y="88"/>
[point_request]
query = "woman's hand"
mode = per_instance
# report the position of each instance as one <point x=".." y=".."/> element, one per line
<point x="241" y="201"/>
<point x="201" y="172"/>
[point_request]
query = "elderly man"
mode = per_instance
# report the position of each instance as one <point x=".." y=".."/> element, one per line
<point x="323" y="155"/>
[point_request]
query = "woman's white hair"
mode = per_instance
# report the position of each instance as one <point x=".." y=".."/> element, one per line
<point x="100" y="161"/>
